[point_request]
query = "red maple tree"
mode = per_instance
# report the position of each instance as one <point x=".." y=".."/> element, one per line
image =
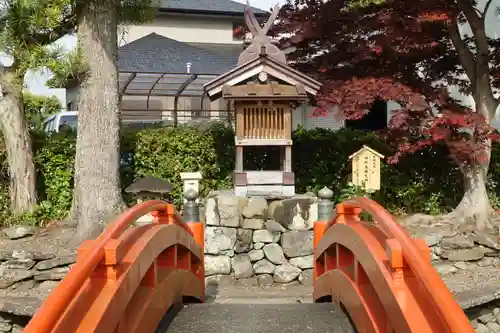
<point x="239" y="32"/>
<point x="409" y="52"/>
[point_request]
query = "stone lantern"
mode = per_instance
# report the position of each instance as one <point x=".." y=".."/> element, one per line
<point x="149" y="187"/>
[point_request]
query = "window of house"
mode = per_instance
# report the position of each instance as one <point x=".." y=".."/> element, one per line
<point x="374" y="120"/>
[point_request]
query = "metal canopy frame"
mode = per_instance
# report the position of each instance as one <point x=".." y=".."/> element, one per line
<point x="147" y="84"/>
<point x="163" y="84"/>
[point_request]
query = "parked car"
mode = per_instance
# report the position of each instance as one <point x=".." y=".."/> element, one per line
<point x="60" y="120"/>
<point x="69" y="119"/>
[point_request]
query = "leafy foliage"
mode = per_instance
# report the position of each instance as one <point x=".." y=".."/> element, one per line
<point x="418" y="183"/>
<point x="37" y="108"/>
<point x="137" y="11"/>
<point x="352" y="191"/>
<point x="356" y="4"/>
<point x="70" y="68"/>
<point x="28" y="27"/>
<point x="66" y="69"/>
<point x="166" y="152"/>
<point x="408" y="53"/>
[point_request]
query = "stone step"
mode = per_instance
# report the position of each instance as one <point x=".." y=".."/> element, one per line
<point x="254" y="295"/>
<point x="262" y="318"/>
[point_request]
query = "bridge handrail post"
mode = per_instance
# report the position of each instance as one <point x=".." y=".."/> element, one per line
<point x="325" y="204"/>
<point x="191" y="209"/>
<point x="325" y="214"/>
<point x="191" y="216"/>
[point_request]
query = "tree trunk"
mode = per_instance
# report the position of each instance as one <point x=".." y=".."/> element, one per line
<point x="97" y="197"/>
<point x="475" y="206"/>
<point x="18" y="147"/>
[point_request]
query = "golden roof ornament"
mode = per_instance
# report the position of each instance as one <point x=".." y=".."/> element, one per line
<point x="261" y="43"/>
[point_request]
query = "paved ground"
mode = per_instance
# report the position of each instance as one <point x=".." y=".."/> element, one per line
<point x="256" y="295"/>
<point x="289" y="308"/>
<point x="238" y="309"/>
<point x="262" y="318"/>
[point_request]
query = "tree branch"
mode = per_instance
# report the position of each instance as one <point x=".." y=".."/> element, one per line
<point x="483" y="93"/>
<point x="486" y="8"/>
<point x="465" y="55"/>
<point x="476" y="23"/>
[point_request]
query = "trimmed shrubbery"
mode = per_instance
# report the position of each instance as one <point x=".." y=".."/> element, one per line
<point x="426" y="182"/>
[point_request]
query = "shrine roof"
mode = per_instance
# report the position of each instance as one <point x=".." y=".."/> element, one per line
<point x="261" y="63"/>
<point x="366" y="148"/>
<point x="274" y="91"/>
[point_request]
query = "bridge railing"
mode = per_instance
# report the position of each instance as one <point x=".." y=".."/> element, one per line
<point x="380" y="274"/>
<point x="112" y="268"/>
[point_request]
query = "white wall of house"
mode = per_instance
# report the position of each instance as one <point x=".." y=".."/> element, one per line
<point x="302" y="117"/>
<point x="189" y="29"/>
<point x="72" y="95"/>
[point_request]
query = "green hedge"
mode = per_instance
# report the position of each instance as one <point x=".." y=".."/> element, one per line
<point x="425" y="182"/>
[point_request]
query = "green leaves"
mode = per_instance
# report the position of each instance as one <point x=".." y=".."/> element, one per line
<point x="67" y="67"/>
<point x="37" y="108"/>
<point x="137" y="11"/>
<point x="167" y="152"/>
<point x="359" y="4"/>
<point x="29" y="29"/>
<point x="425" y="182"/>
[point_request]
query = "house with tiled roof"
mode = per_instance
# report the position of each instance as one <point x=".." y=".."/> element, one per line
<point x="164" y="64"/>
<point x="194" y="21"/>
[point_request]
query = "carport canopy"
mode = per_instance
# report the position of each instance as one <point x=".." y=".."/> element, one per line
<point x="163" y="84"/>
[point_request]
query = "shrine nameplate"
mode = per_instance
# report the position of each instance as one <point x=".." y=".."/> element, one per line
<point x="366" y="168"/>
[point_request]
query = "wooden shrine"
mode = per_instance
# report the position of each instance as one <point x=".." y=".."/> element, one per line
<point x="263" y="90"/>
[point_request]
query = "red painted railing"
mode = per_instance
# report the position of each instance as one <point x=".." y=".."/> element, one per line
<point x="382" y="276"/>
<point x="127" y="279"/>
<point x="119" y="273"/>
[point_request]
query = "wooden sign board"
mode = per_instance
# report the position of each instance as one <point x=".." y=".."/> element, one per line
<point x="366" y="168"/>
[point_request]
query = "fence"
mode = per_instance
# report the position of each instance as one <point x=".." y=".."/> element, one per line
<point x="175" y="117"/>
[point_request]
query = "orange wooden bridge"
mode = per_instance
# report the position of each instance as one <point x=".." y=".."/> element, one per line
<point x="378" y="278"/>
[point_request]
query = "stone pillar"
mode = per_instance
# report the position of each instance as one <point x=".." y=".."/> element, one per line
<point x="325" y="204"/>
<point x="191" y="208"/>
<point x="191" y="181"/>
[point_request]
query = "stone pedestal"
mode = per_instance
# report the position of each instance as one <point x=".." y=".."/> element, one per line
<point x="264" y="183"/>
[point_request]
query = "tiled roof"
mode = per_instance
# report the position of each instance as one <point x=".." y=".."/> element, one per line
<point x="227" y="7"/>
<point x="226" y="50"/>
<point x="158" y="54"/>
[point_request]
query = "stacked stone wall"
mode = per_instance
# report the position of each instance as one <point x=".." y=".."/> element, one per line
<point x="259" y="241"/>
